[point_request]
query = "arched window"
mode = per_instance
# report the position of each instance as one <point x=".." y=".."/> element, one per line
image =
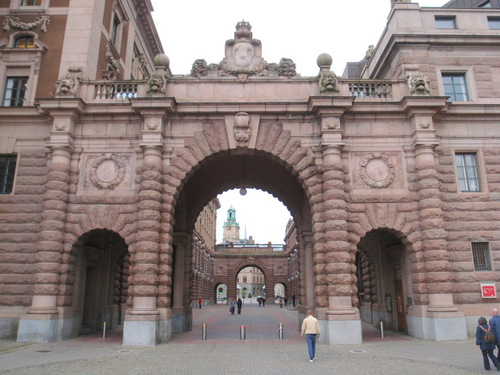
<point x="24" y="42"/>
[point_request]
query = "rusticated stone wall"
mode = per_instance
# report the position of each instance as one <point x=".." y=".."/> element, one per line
<point x="20" y="216"/>
<point x="471" y="217"/>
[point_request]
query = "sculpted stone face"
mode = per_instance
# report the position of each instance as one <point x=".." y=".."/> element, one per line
<point x="243" y="53"/>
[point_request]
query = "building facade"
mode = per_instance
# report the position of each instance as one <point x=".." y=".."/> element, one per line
<point x="107" y="160"/>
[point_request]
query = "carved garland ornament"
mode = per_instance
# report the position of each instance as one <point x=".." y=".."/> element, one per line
<point x="377" y="170"/>
<point x="107" y="171"/>
<point x="16" y="24"/>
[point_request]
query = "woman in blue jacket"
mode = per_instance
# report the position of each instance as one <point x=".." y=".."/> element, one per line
<point x="486" y="347"/>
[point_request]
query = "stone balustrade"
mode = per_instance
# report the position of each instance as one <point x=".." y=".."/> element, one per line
<point x="361" y="89"/>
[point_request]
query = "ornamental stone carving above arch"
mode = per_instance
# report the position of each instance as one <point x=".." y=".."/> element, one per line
<point x="107" y="171"/>
<point x="377" y="170"/>
<point x="241" y="129"/>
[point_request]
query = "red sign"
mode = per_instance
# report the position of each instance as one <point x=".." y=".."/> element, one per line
<point x="488" y="290"/>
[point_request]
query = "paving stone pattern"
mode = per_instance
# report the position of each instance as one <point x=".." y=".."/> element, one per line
<point x="224" y="353"/>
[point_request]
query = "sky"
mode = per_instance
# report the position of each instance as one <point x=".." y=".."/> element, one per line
<point x="299" y="30"/>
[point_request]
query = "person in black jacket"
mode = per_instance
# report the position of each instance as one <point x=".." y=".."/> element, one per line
<point x="239" y="303"/>
<point x="486" y="347"/>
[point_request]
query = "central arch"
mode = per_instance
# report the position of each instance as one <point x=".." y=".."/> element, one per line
<point x="213" y="175"/>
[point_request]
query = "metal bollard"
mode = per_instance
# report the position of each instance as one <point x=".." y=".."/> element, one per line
<point x="280" y="331"/>
<point x="243" y="334"/>
<point x="203" y="331"/>
<point x="104" y="330"/>
<point x="381" y="330"/>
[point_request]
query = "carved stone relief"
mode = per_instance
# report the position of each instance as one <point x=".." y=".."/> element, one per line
<point x="328" y="82"/>
<point x="113" y="68"/>
<point x="68" y="85"/>
<point x="107" y="171"/>
<point x="280" y="270"/>
<point x="152" y="123"/>
<point x="157" y="83"/>
<point x="241" y="129"/>
<point x="330" y="123"/>
<point x="61" y="124"/>
<point x="243" y="58"/>
<point x="221" y="270"/>
<point x="16" y="24"/>
<point x="377" y="169"/>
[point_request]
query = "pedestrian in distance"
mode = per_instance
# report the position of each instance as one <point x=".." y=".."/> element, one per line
<point x="285" y="300"/>
<point x="232" y="306"/>
<point x="200" y="301"/>
<point x="281" y="302"/>
<point x="310" y="328"/>
<point x="263" y="302"/>
<point x="485" y="346"/>
<point x="495" y="328"/>
<point x="259" y="300"/>
<point x="293" y="300"/>
<point x="239" y="303"/>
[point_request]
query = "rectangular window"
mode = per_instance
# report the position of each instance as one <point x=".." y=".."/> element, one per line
<point x="494" y="23"/>
<point x="481" y="256"/>
<point x="455" y="86"/>
<point x="31" y="2"/>
<point x="114" y="33"/>
<point x="467" y="172"/>
<point x="15" y="88"/>
<point x="445" y="22"/>
<point x="7" y="173"/>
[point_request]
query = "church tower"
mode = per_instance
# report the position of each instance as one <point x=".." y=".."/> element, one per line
<point x="231" y="227"/>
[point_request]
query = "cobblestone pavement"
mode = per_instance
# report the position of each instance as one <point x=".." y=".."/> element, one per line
<point x="223" y="352"/>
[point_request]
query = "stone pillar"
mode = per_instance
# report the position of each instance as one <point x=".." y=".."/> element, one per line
<point x="333" y="262"/>
<point x="343" y="320"/>
<point x="145" y="323"/>
<point x="440" y="319"/>
<point x="141" y="321"/>
<point x="42" y="323"/>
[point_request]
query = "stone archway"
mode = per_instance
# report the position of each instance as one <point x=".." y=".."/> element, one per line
<point x="386" y="282"/>
<point x="101" y="271"/>
<point x="209" y="177"/>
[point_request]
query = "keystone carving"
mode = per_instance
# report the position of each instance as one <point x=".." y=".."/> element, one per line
<point x="241" y="129"/>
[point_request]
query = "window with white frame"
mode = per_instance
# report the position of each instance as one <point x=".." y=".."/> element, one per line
<point x="15" y="90"/>
<point x="445" y="22"/>
<point x="481" y="256"/>
<point x="455" y="86"/>
<point x="7" y="172"/>
<point x="467" y="172"/>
